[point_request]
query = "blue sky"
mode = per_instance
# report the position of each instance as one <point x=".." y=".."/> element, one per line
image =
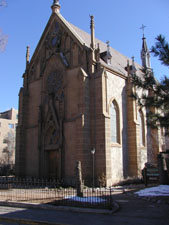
<point x="115" y="20"/>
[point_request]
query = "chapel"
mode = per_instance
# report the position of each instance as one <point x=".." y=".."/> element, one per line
<point x="76" y="105"/>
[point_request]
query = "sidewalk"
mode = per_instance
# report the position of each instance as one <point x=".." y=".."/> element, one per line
<point x="120" y="194"/>
<point x="131" y="210"/>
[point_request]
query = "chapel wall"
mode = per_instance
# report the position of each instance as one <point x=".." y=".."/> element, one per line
<point x="99" y="127"/>
<point x="32" y="152"/>
<point x="34" y="103"/>
<point x="118" y="151"/>
<point x="31" y="147"/>
<point x="76" y="125"/>
<point x="72" y="121"/>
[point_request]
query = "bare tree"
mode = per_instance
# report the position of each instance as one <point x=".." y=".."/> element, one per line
<point x="3" y="37"/>
<point x="3" y="41"/>
<point x="9" y="150"/>
<point x="3" y="3"/>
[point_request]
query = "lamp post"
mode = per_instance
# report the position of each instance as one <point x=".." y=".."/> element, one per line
<point x="93" y="152"/>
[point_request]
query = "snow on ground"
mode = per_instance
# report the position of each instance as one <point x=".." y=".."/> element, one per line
<point x="86" y="199"/>
<point x="161" y="190"/>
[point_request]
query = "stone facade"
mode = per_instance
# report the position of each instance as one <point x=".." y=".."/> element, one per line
<point x="65" y="108"/>
<point x="8" y="124"/>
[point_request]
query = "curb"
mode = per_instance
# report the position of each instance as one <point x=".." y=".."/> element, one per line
<point x="115" y="207"/>
<point x="26" y="221"/>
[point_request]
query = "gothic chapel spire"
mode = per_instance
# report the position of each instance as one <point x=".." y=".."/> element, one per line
<point x="56" y="6"/>
<point x="92" y="28"/>
<point x="145" y="54"/>
<point x="27" y="56"/>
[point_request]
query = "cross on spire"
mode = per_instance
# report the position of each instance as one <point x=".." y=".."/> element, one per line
<point x="143" y="28"/>
<point x="55" y="2"/>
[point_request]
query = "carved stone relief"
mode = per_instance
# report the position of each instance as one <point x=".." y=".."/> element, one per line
<point x="42" y="65"/>
<point x="55" y="85"/>
<point x="37" y="63"/>
<point x="53" y="111"/>
<point x="53" y="40"/>
<point x="32" y="73"/>
<point x="52" y="128"/>
<point x="52" y="137"/>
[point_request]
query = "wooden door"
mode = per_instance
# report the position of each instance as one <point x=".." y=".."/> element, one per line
<point x="53" y="164"/>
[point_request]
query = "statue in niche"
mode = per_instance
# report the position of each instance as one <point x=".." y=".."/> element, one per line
<point x="53" y="137"/>
<point x="52" y="134"/>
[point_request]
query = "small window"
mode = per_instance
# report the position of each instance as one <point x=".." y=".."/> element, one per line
<point x="11" y="125"/>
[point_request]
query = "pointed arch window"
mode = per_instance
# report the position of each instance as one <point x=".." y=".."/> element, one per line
<point x="142" y="128"/>
<point x="114" y="122"/>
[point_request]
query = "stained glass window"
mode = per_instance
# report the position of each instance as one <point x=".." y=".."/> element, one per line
<point x="113" y="122"/>
<point x="141" y="123"/>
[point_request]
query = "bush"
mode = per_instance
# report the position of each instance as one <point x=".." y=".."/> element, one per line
<point x="6" y="170"/>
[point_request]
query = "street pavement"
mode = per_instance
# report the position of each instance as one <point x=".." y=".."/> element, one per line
<point x="133" y="211"/>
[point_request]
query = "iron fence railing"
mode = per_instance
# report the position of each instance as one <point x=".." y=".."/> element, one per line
<point x="53" y="192"/>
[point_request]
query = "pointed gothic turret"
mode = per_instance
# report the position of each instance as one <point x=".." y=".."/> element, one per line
<point x="92" y="28"/>
<point x="145" y="54"/>
<point x="133" y="68"/>
<point x="27" y="56"/>
<point x="108" y="55"/>
<point x="56" y="6"/>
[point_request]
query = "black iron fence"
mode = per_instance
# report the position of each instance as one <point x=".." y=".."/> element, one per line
<point x="53" y="192"/>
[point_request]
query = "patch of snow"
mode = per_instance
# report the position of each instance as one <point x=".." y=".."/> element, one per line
<point x="161" y="190"/>
<point x="86" y="199"/>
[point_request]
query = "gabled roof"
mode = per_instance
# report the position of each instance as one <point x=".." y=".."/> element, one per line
<point x="69" y="26"/>
<point x="118" y="61"/>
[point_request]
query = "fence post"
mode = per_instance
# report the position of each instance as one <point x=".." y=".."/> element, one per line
<point x="111" y="200"/>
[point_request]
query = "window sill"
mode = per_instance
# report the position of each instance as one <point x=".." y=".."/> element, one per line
<point x="142" y="147"/>
<point x="117" y="145"/>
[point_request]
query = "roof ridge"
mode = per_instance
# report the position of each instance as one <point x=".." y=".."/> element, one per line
<point x="103" y="45"/>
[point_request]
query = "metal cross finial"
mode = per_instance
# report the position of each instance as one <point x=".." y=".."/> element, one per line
<point x="142" y="28"/>
<point x="55" y="2"/>
<point x="92" y="19"/>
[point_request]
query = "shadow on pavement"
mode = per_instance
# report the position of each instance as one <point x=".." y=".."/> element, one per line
<point x="132" y="211"/>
